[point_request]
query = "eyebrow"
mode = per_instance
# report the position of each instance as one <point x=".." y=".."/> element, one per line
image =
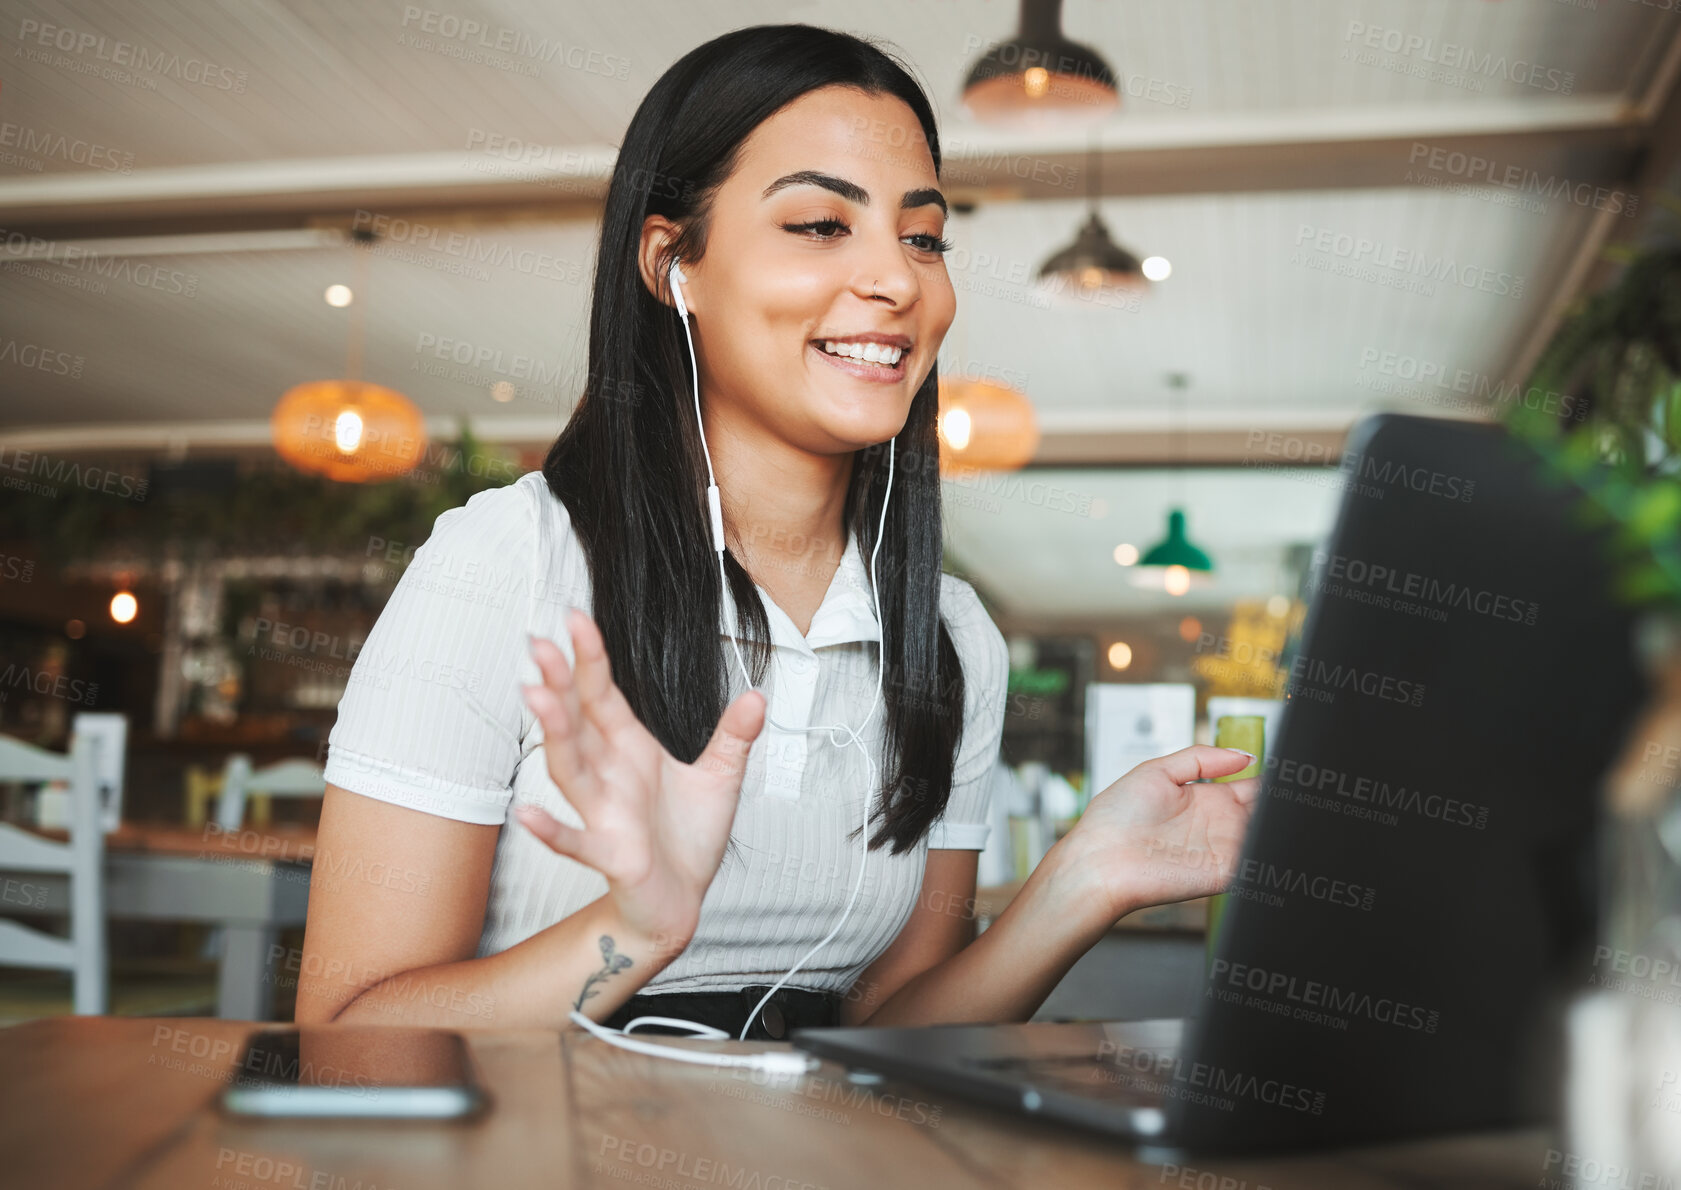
<point x="853" y="192"/>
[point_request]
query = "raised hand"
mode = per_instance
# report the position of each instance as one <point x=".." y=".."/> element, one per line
<point x="1152" y="837"/>
<point x="654" y="826"/>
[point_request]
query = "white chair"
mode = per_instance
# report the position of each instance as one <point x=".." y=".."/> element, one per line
<point x="288" y="778"/>
<point x="82" y="859"/>
<point x="245" y="949"/>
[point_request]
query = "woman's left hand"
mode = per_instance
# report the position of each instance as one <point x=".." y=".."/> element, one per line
<point x="1153" y="837"/>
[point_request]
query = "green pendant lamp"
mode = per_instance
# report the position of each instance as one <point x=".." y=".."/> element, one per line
<point x="1175" y="564"/>
<point x="1176" y="549"/>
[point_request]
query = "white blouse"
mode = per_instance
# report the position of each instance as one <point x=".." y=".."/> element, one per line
<point x="433" y="719"/>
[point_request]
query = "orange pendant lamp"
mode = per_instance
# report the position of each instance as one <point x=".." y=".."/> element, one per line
<point x="349" y="430"/>
<point x="982" y="425"/>
<point x="985" y="426"/>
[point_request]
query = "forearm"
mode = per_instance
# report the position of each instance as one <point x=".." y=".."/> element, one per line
<point x="536" y="983"/>
<point x="1009" y="969"/>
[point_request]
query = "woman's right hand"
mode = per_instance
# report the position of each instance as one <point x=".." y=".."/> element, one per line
<point x="654" y="826"/>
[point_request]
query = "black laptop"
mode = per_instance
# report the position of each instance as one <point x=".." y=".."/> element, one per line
<point x="1461" y="681"/>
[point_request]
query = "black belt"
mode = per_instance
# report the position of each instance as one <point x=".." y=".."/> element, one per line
<point x="788" y="1009"/>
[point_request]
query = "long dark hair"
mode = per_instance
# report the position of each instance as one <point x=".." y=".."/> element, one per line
<point x="629" y="465"/>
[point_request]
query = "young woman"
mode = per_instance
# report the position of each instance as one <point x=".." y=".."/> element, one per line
<point x="532" y="810"/>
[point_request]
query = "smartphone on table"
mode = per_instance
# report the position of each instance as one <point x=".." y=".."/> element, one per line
<point x="354" y="1071"/>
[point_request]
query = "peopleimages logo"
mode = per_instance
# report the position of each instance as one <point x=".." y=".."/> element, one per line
<point x="1315" y="678"/>
<point x="39" y="359"/>
<point x="1279" y="989"/>
<point x="145" y="61"/>
<point x="1358" y="250"/>
<point x="1474" y="169"/>
<point x="1589" y="1173"/>
<point x="1322" y="786"/>
<point x="1645" y="976"/>
<point x="1202" y="1076"/>
<point x="1452" y="56"/>
<point x="1259" y="880"/>
<point x="65" y="473"/>
<point x="1298" y="456"/>
<point x="1395" y="473"/>
<point x="20" y="248"/>
<point x="1393" y="372"/>
<point x="1359" y="465"/>
<point x="466" y="249"/>
<point x="55" y="144"/>
<point x="1339" y="574"/>
<point x="1265" y="879"/>
<point x="1312" y="677"/>
<point x="472" y="40"/>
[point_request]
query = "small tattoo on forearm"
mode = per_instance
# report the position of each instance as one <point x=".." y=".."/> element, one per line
<point x="611" y="964"/>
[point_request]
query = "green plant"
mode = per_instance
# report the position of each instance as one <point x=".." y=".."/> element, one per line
<point x="272" y="509"/>
<point x="1616" y="434"/>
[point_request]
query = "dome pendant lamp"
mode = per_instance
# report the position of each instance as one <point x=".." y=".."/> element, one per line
<point x="1038" y="78"/>
<point x="349" y="430"/>
<point x="1094" y="263"/>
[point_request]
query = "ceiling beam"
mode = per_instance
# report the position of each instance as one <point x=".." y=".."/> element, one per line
<point x="1591" y="138"/>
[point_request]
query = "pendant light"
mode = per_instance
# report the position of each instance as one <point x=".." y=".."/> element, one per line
<point x="983" y="425"/>
<point x="1094" y="263"/>
<point x="349" y="430"/>
<point x="1175" y="564"/>
<point x="1039" y="78"/>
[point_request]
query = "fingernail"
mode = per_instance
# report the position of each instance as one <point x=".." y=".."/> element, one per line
<point x="531" y="643"/>
<point x="1241" y="752"/>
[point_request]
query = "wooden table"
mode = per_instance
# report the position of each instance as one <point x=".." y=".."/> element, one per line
<point x="101" y="1101"/>
<point x="250" y="883"/>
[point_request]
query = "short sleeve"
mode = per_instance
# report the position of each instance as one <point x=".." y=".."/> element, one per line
<point x="432" y="716"/>
<point x="986" y="674"/>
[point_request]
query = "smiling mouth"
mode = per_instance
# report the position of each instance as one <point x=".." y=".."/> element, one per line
<point x="879" y="358"/>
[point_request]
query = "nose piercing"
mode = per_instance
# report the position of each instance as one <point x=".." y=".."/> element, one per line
<point x="873" y="292"/>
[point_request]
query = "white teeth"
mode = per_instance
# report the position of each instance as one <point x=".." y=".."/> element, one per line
<point x="874" y="353"/>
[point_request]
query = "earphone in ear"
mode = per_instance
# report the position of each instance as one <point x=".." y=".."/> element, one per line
<point x="713" y="503"/>
<point x="678" y="276"/>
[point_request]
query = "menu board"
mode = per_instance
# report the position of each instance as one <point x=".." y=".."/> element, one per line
<point x="1128" y="723"/>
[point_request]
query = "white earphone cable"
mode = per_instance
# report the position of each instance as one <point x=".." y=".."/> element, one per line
<point x="781" y="1063"/>
<point x="852" y="736"/>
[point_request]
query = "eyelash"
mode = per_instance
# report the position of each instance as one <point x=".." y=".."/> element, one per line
<point x="939" y="245"/>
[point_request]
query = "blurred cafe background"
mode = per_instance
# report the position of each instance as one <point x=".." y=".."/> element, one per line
<point x="225" y="226"/>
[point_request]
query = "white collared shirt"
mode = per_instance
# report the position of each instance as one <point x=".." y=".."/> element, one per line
<point x="433" y="719"/>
